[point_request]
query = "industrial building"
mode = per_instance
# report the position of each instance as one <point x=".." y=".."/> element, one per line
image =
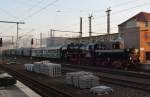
<point x="136" y="34"/>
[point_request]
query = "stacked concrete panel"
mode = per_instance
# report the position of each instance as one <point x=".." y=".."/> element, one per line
<point x="45" y="67"/>
<point x="36" y="67"/>
<point x="54" y="69"/>
<point x="82" y="79"/>
<point x="29" y="67"/>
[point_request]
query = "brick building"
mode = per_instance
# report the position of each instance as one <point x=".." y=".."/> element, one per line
<point x="136" y="34"/>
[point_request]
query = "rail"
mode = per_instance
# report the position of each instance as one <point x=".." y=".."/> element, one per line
<point x="40" y="88"/>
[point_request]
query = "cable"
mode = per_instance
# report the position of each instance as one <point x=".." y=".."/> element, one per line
<point x="7" y="13"/>
<point x="120" y="11"/>
<point x="64" y="31"/>
<point x="36" y="12"/>
<point x="102" y="10"/>
<point x="124" y="3"/>
<point x="148" y="3"/>
<point x="117" y="12"/>
<point x="48" y="6"/>
<point x="102" y="16"/>
<point x="34" y="6"/>
<point x="118" y="5"/>
<point x="28" y="3"/>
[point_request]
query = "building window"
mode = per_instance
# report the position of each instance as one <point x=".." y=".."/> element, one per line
<point x="148" y="43"/>
<point x="146" y="23"/>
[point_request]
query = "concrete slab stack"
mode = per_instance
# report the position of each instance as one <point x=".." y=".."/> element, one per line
<point x="36" y="67"/>
<point x="82" y="79"/>
<point x="29" y="67"/>
<point x="45" y="67"/>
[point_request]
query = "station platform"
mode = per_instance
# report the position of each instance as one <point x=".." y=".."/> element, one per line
<point x="17" y="90"/>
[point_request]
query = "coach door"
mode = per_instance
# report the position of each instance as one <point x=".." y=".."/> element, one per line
<point x="147" y="55"/>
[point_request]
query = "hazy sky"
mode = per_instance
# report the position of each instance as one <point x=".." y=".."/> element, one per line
<point x="42" y="15"/>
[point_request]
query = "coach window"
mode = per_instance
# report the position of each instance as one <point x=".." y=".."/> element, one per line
<point x="148" y="43"/>
<point x="146" y="23"/>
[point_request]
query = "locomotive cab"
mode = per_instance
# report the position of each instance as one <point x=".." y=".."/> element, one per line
<point x="111" y="54"/>
<point x="134" y="58"/>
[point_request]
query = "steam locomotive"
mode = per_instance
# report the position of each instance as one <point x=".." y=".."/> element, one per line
<point x="104" y="53"/>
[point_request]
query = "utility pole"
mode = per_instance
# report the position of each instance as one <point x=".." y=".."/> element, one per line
<point x="17" y="44"/>
<point x="80" y="27"/>
<point x="90" y="25"/>
<point x="108" y="23"/>
<point x="51" y="32"/>
<point x="36" y="42"/>
<point x="41" y="40"/>
<point x="80" y="33"/>
<point x="17" y="30"/>
<point x="12" y="41"/>
<point x="52" y="36"/>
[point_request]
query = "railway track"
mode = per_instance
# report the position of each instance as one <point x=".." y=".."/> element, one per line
<point x="126" y="83"/>
<point x="138" y="74"/>
<point x="122" y="79"/>
<point x="40" y="88"/>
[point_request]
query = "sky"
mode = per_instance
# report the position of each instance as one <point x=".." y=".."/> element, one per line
<point x="42" y="15"/>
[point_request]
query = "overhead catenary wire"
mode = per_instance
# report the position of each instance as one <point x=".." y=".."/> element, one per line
<point x="117" y="5"/>
<point x="113" y="13"/>
<point x="64" y="31"/>
<point x="117" y="12"/>
<point x="38" y="11"/>
<point x="7" y="13"/>
<point x="25" y="2"/>
<point x="127" y="9"/>
<point x="124" y="10"/>
<point x="101" y="10"/>
<point x="34" y="6"/>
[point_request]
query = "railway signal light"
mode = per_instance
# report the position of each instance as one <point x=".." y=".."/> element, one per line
<point x="1" y="42"/>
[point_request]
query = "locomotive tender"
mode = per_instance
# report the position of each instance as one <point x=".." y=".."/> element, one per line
<point x="104" y="53"/>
